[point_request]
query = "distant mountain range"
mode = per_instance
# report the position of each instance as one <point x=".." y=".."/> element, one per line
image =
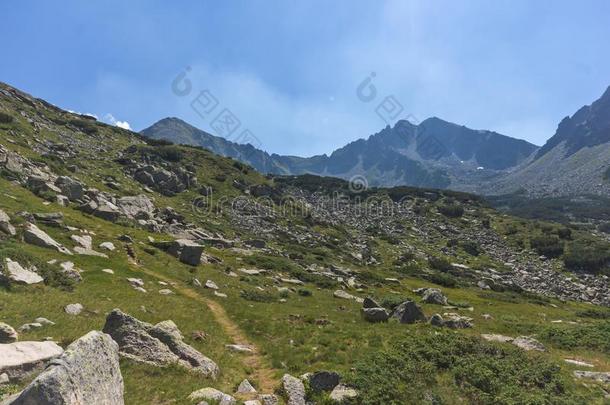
<point x="440" y="154"/>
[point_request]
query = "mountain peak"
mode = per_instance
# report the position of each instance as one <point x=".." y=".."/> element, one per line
<point x="588" y="127"/>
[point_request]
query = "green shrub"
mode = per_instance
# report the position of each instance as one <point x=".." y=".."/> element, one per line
<point x="258" y="296"/>
<point x="390" y="302"/>
<point x="564" y="233"/>
<point x="471" y="247"/>
<point x="594" y="313"/>
<point x="303" y="292"/>
<point x="477" y="372"/>
<point x="439" y="263"/>
<point x="158" y="142"/>
<point x="451" y="210"/>
<point x="604" y="227"/>
<point x="590" y="256"/>
<point x="5" y="118"/>
<point x="569" y="337"/>
<point x="442" y="279"/>
<point x="88" y="127"/>
<point x="549" y="246"/>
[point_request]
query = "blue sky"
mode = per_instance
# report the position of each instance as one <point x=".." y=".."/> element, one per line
<point x="289" y="70"/>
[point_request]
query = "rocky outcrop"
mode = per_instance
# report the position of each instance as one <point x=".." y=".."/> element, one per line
<point x="70" y="188"/>
<point x="21" y="359"/>
<point x="13" y="272"/>
<point x="185" y="250"/>
<point x="155" y="344"/>
<point x="35" y="236"/>
<point x="86" y="373"/>
<point x="433" y="296"/>
<point x="166" y="182"/>
<point x="409" y="312"/>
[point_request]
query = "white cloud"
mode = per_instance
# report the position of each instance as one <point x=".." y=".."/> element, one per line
<point x="87" y="114"/>
<point x="121" y="124"/>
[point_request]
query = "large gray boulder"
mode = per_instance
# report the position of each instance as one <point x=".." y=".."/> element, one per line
<point x="375" y="314"/>
<point x="434" y="296"/>
<point x="5" y="224"/>
<point x="7" y="333"/>
<point x="86" y="373"/>
<point x="21" y="359"/>
<point x="155" y="344"/>
<point x="409" y="312"/>
<point x="35" y="236"/>
<point x="71" y="188"/>
<point x="136" y="207"/>
<point x="294" y="390"/>
<point x="186" y="251"/>
<point x="15" y="273"/>
<point x="324" y="380"/>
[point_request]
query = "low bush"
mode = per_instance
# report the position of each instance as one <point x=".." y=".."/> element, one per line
<point x="471" y="247"/>
<point x="442" y="279"/>
<point x="258" y="296"/>
<point x="451" y="210"/>
<point x="588" y="256"/>
<point x="439" y="263"/>
<point x="5" y="118"/>
<point x="303" y="292"/>
<point x="88" y="127"/>
<point x="477" y="372"/>
<point x="592" y="337"/>
<point x="549" y="246"/>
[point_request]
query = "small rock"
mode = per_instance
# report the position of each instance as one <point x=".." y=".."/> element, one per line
<point x="84" y="241"/>
<point x="29" y="326"/>
<point x="578" y="363"/>
<point x="497" y="338"/>
<point x="269" y="399"/>
<point x="73" y="309"/>
<point x="342" y="392"/>
<point x="211" y="285"/>
<point x="434" y="296"/>
<point x="240" y="348"/>
<point x="44" y="321"/>
<point x="7" y="333"/>
<point x="166" y="291"/>
<point x="212" y="394"/>
<point x="108" y="271"/>
<point x="4" y="379"/>
<point x="601" y="376"/>
<point x="108" y="246"/>
<point x="245" y="388"/>
<point x="370" y="303"/>
<point x="528" y="343"/>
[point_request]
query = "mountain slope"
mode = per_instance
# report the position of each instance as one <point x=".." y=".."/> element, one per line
<point x="574" y="161"/>
<point x="434" y="153"/>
